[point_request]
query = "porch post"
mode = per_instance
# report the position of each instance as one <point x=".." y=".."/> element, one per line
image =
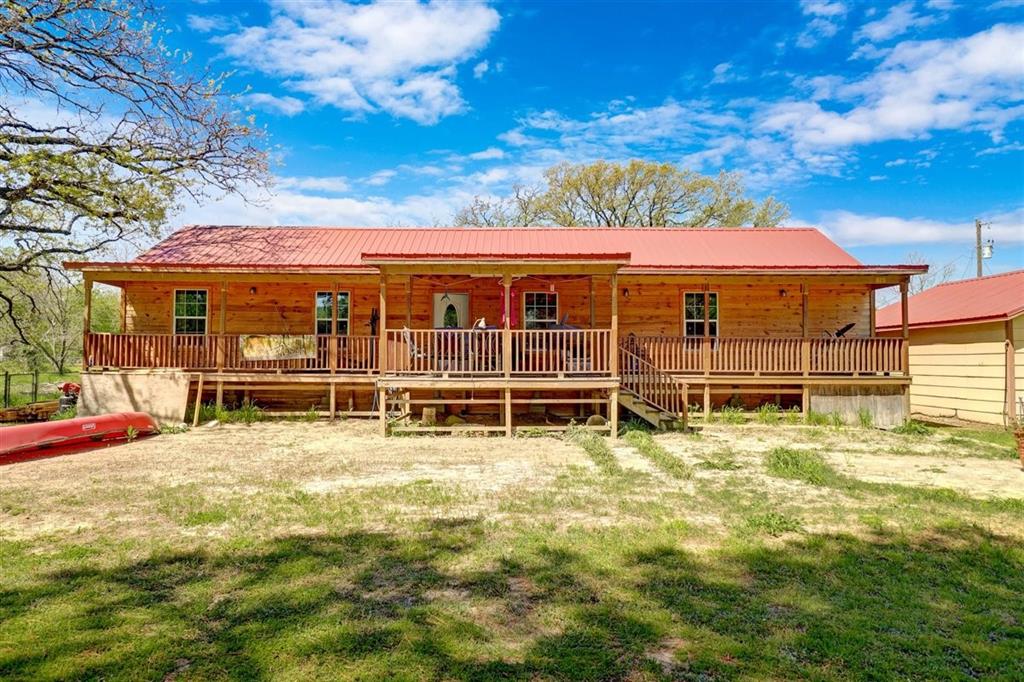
<point x="408" y="301"/>
<point x="705" y="351"/>
<point x="382" y="331"/>
<point x="613" y="342"/>
<point x="221" y="324"/>
<point x="905" y="321"/>
<point x="872" y="314"/>
<point x="222" y="318"/>
<point x="805" y="342"/>
<point x="593" y="303"/>
<point x="905" y="350"/>
<point x="86" y="316"/>
<point x="1011" y="378"/>
<point x="506" y="333"/>
<point x="332" y="340"/>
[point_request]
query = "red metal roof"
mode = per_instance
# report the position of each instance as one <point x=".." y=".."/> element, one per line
<point x="322" y="248"/>
<point x="996" y="297"/>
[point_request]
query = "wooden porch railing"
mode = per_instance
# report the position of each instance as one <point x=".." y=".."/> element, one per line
<point x="476" y="352"/>
<point x="533" y="352"/>
<point x="355" y="354"/>
<point x="561" y="352"/>
<point x="782" y="356"/>
<point x="657" y="388"/>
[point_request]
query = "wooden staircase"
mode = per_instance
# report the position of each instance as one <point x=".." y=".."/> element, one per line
<point x="649" y="392"/>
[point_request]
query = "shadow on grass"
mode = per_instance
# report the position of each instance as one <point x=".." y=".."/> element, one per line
<point x="377" y="605"/>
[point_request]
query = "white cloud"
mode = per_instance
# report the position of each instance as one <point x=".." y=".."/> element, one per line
<point x="941" y="5"/>
<point x="971" y="83"/>
<point x="480" y="70"/>
<point x="206" y="23"/>
<point x="852" y="229"/>
<point x="291" y="206"/>
<point x="399" y="58"/>
<point x="826" y="18"/>
<point x="898" y="20"/>
<point x="878" y="178"/>
<point x="332" y="184"/>
<point x="380" y="178"/>
<point x="287" y="106"/>
<point x="725" y="73"/>
<point x="1002" y="149"/>
<point x="487" y="154"/>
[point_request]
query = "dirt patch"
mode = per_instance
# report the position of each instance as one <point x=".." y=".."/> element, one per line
<point x="975" y="477"/>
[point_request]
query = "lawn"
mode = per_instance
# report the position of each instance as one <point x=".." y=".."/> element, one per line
<point x="299" y="551"/>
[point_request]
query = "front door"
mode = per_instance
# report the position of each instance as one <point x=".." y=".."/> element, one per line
<point x="451" y="311"/>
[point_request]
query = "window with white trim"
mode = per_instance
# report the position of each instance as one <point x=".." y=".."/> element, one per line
<point x="323" y="312"/>
<point x="540" y="309"/>
<point x="693" y="313"/>
<point x="190" y="311"/>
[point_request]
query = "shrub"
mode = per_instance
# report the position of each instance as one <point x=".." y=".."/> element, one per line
<point x="794" y="415"/>
<point x="836" y="419"/>
<point x="800" y="465"/>
<point x="769" y="413"/>
<point x="311" y="415"/>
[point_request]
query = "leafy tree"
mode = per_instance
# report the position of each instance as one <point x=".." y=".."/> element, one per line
<point x="102" y="130"/>
<point x="636" y="194"/>
<point x="46" y="330"/>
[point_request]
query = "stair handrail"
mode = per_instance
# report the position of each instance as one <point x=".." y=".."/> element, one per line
<point x="651" y="384"/>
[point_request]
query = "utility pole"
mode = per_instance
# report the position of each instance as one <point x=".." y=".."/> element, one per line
<point x="977" y="243"/>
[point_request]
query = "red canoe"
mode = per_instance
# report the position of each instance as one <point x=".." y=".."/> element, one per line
<point x="45" y="439"/>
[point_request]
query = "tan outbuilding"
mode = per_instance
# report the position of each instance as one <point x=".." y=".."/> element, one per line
<point x="966" y="348"/>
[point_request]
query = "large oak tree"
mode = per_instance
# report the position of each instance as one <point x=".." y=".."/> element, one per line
<point x="103" y="130"/>
<point x="633" y="194"/>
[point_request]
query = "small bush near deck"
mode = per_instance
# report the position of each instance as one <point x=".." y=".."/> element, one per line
<point x="865" y="418"/>
<point x="816" y="418"/>
<point x="835" y="419"/>
<point x="773" y="523"/>
<point x="769" y="413"/>
<point x="311" y="415"/>
<point x="794" y="415"/>
<point x="800" y="465"/>
<point x="659" y="456"/>
<point x="912" y="427"/>
<point x="730" y="415"/>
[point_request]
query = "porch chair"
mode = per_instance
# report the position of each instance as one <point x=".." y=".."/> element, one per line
<point x="414" y="351"/>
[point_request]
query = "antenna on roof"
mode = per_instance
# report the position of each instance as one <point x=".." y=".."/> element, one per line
<point x="983" y="251"/>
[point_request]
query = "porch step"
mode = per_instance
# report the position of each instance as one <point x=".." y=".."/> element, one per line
<point x="652" y="415"/>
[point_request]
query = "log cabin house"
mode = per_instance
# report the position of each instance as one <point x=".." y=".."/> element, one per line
<point x="507" y="327"/>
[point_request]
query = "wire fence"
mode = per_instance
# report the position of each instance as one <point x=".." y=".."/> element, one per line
<point x="21" y="388"/>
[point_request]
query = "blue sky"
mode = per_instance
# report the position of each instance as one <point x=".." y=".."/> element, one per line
<point x="890" y="126"/>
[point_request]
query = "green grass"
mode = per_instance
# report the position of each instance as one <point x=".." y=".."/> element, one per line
<point x="21" y="385"/>
<point x="658" y="455"/>
<point x="772" y="523"/>
<point x="596" y="447"/>
<point x="246" y="413"/>
<point x="239" y="573"/>
<point x="800" y="465"/>
<point x="729" y="415"/>
<point x="912" y="427"/>
<point x="769" y="413"/>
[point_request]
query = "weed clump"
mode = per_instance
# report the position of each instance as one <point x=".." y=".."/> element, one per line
<point x="801" y="465"/>
<point x="596" y="447"/>
<point x="769" y="413"/>
<point x="659" y="456"/>
<point x="772" y="523"/>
